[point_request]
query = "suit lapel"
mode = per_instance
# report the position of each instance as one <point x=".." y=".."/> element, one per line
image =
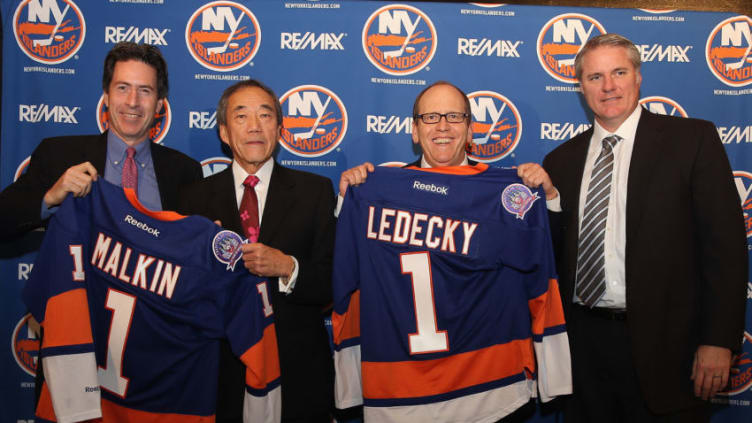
<point x="279" y="200"/>
<point x="95" y="152"/>
<point x="225" y="202"/>
<point x="645" y="154"/>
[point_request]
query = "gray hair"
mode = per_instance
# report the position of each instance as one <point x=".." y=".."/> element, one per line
<point x="607" y="40"/>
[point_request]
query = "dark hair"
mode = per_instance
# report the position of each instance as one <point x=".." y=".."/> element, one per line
<point x="462" y="93"/>
<point x="124" y="51"/>
<point x="607" y="40"/>
<point x="229" y="91"/>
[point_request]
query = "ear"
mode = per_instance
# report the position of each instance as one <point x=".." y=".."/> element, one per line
<point x="160" y="104"/>
<point x="106" y="99"/>
<point x="223" y="134"/>
<point x="416" y="140"/>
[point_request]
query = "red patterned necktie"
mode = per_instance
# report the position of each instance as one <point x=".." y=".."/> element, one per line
<point x="249" y="217"/>
<point x="130" y="171"/>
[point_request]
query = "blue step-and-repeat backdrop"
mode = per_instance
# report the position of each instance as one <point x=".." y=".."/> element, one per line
<point x="347" y="73"/>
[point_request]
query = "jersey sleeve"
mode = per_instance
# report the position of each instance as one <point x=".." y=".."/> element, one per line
<point x="550" y="340"/>
<point x="56" y="296"/>
<point x="249" y="327"/>
<point x="346" y="313"/>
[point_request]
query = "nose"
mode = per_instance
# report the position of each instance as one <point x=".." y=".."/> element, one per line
<point x="442" y="124"/>
<point x="131" y="98"/>
<point x="253" y="123"/>
<point x="608" y="83"/>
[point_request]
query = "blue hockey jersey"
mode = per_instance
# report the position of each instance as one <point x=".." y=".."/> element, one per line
<point x="133" y="303"/>
<point x="445" y="295"/>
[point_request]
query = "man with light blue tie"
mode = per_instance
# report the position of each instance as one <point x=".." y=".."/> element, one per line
<point x="135" y="86"/>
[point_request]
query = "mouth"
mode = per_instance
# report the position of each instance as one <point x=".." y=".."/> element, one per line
<point x="610" y="99"/>
<point x="442" y="141"/>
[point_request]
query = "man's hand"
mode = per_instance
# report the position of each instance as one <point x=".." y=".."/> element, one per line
<point x="77" y="179"/>
<point x="266" y="261"/>
<point x="354" y="176"/>
<point x="533" y="175"/>
<point x="710" y="370"/>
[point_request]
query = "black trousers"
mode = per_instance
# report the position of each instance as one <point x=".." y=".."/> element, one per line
<point x="606" y="388"/>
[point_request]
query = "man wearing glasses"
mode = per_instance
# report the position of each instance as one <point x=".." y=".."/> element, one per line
<point x="442" y="127"/>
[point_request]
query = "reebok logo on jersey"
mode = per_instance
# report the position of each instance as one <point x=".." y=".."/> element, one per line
<point x="430" y="188"/>
<point x="141" y="225"/>
<point x="91" y="388"/>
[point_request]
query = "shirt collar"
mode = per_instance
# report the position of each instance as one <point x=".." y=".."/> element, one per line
<point x="116" y="150"/>
<point x="264" y="173"/>
<point x="626" y="130"/>
<point x="424" y="163"/>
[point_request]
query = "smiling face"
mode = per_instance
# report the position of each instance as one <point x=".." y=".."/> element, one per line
<point x="443" y="143"/>
<point x="610" y="84"/>
<point x="252" y="129"/>
<point x="132" y="101"/>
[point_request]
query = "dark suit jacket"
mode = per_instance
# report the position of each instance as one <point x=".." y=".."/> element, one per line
<point x="298" y="220"/>
<point x="685" y="257"/>
<point x="22" y="200"/>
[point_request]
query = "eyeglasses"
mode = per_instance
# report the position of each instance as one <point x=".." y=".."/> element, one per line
<point x="451" y="117"/>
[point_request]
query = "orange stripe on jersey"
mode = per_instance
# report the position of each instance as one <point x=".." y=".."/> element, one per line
<point x="112" y="412"/>
<point x="408" y="379"/>
<point x="44" y="406"/>
<point x="546" y="309"/>
<point x="66" y="320"/>
<point x="454" y="170"/>
<point x="161" y="215"/>
<point x="262" y="360"/>
<point x="347" y="326"/>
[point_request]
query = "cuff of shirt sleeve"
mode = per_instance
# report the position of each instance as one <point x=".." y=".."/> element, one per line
<point x="554" y="204"/>
<point x="286" y="285"/>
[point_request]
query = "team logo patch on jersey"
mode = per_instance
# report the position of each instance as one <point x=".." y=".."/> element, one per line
<point x="663" y="106"/>
<point x="497" y="126"/>
<point x="561" y="39"/>
<point x="49" y="31"/>
<point x="518" y="199"/>
<point x="21" y="169"/>
<point x="743" y="181"/>
<point x="728" y="51"/>
<point x="158" y="130"/>
<point x="213" y="165"/>
<point x="26" y="345"/>
<point x="314" y="120"/>
<point x="226" y="248"/>
<point x="399" y="39"/>
<point x="221" y="47"/>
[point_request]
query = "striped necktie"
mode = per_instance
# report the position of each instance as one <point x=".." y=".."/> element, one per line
<point x="130" y="171"/>
<point x="591" y="273"/>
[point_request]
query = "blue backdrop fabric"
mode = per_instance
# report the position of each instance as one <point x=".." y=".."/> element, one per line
<point x="346" y="73"/>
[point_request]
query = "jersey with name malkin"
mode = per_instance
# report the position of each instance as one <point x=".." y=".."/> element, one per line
<point x="133" y="304"/>
<point x="444" y="296"/>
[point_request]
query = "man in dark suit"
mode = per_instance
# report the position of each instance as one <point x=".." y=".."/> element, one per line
<point x="135" y="85"/>
<point x="295" y="217"/>
<point x="655" y="304"/>
<point x="442" y="127"/>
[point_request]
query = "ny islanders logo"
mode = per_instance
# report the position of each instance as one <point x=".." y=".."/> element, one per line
<point x="223" y="36"/>
<point x="159" y="128"/>
<point x="743" y="181"/>
<point x="314" y="120"/>
<point x="728" y="51"/>
<point x="214" y="165"/>
<point x="561" y="39"/>
<point x="399" y="39"/>
<point x="740" y="377"/>
<point x="25" y="344"/>
<point x="663" y="106"/>
<point x="497" y="126"/>
<point x="49" y="31"/>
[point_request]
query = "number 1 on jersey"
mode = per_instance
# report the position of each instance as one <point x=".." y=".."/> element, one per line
<point x="428" y="338"/>
<point x="111" y="376"/>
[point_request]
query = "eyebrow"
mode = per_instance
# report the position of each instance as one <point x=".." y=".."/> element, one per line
<point x="243" y="106"/>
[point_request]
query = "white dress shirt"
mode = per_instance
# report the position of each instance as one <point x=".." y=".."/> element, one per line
<point x="616" y="221"/>
<point x="264" y="174"/>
